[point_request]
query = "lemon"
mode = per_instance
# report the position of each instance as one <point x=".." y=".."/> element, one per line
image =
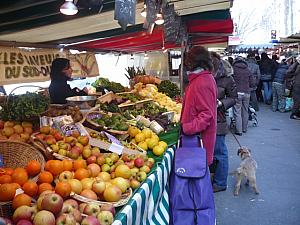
<point x="164" y="144"/>
<point x="143" y="145"/>
<point x="158" y="150"/>
<point x="152" y="142"/>
<point x="133" y="131"/>
<point x="155" y="136"/>
<point x="139" y="137"/>
<point x="147" y="132"/>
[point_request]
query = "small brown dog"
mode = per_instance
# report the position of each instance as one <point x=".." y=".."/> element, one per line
<point x="246" y="169"/>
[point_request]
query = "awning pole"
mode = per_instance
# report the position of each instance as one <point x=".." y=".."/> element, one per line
<point x="183" y="48"/>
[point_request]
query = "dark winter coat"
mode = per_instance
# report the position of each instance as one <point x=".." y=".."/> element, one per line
<point x="267" y="69"/>
<point x="199" y="112"/>
<point x="59" y="90"/>
<point x="280" y="73"/>
<point x="227" y="94"/>
<point x="294" y="73"/>
<point x="242" y="76"/>
<point x="254" y="69"/>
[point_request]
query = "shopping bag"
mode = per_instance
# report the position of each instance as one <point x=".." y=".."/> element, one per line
<point x="191" y="196"/>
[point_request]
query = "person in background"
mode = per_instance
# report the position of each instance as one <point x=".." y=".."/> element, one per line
<point x="278" y="88"/>
<point x="230" y="60"/>
<point x="267" y="69"/>
<point x="59" y="90"/>
<point x="259" y="94"/>
<point x="244" y="82"/>
<point x="199" y="113"/>
<point x="254" y="69"/>
<point x="227" y="95"/>
<point x="293" y="72"/>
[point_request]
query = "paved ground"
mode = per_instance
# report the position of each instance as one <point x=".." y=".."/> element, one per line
<point x="275" y="145"/>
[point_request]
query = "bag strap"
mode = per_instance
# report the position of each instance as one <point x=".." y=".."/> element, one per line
<point x="182" y="141"/>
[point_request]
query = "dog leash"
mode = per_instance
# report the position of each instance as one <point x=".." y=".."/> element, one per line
<point x="236" y="139"/>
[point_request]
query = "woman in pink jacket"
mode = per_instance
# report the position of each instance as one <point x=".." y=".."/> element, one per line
<point x="199" y="114"/>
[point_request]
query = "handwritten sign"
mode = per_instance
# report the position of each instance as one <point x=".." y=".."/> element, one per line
<point x="125" y="12"/>
<point x="83" y="64"/>
<point x="172" y="23"/>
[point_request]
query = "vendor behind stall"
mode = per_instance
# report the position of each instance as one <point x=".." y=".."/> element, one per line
<point x="59" y="90"/>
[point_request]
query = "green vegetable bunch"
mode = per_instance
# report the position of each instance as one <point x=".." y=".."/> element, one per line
<point x="168" y="88"/>
<point x="101" y="83"/>
<point x="24" y="107"/>
<point x="133" y="72"/>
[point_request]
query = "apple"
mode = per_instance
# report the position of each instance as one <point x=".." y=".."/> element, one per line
<point x="130" y="164"/>
<point x="125" y="158"/>
<point x="41" y="197"/>
<point x="86" y="153"/>
<point x="151" y="160"/>
<point x="112" y="193"/>
<point x="23" y="212"/>
<point x="98" y="186"/>
<point x="70" y="140"/>
<point x="84" y="140"/>
<point x="122" y="183"/>
<point x="108" y="207"/>
<point x="65" y="176"/>
<point x="91" y="159"/>
<point x="91" y="209"/>
<point x="105" y="176"/>
<point x="123" y="171"/>
<point x="145" y="168"/>
<point x="100" y="160"/>
<point x="119" y="162"/>
<point x="94" y="169"/>
<point x="76" y="185"/>
<point x="75" y="133"/>
<point x="87" y="183"/>
<point x="75" y="152"/>
<point x="114" y="157"/>
<point x="82" y="206"/>
<point x="109" y="161"/>
<point x="72" y="202"/>
<point x="79" y="145"/>
<point x="134" y="171"/>
<point x="55" y="148"/>
<point x="45" y="129"/>
<point x="50" y="140"/>
<point x="63" y="145"/>
<point x="65" y="219"/>
<point x="90" y="220"/>
<point x="134" y="184"/>
<point x="96" y="151"/>
<point x="112" y="168"/>
<point x="105" y="168"/>
<point x="44" y="217"/>
<point x="77" y="215"/>
<point x="105" y="218"/>
<point x="141" y="176"/>
<point x="62" y="152"/>
<point x="113" y="175"/>
<point x="58" y="136"/>
<point x="40" y="136"/>
<point x="139" y="162"/>
<point x="53" y="203"/>
<point x="149" y="164"/>
<point x="23" y="222"/>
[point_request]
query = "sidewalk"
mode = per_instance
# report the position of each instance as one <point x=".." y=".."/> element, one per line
<point x="275" y="145"/>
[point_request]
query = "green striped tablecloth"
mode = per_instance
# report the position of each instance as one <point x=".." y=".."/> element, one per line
<point x="150" y="203"/>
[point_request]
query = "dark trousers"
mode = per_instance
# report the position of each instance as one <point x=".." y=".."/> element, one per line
<point x="253" y="100"/>
<point x="259" y="94"/>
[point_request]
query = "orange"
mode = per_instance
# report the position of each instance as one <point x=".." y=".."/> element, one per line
<point x="9" y="171"/>
<point x="56" y="167"/>
<point x="63" y="189"/>
<point x="21" y="199"/>
<point x="45" y="177"/>
<point x="5" y="179"/>
<point x="19" y="176"/>
<point x="33" y="168"/>
<point x="16" y="185"/>
<point x="30" y="188"/>
<point x="7" y="192"/>
<point x="48" y="164"/>
<point x="68" y="165"/>
<point x="81" y="173"/>
<point x="79" y="163"/>
<point x="45" y="187"/>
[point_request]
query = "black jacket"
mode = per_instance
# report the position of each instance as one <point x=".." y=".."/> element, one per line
<point x="59" y="90"/>
<point x="242" y="76"/>
<point x="280" y="73"/>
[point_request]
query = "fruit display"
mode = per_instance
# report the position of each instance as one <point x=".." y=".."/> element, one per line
<point x="74" y="111"/>
<point x="168" y="88"/>
<point x="24" y="107"/>
<point x="113" y="122"/>
<point x="14" y="130"/>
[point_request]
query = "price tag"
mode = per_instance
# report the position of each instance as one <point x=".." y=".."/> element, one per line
<point x="116" y="148"/>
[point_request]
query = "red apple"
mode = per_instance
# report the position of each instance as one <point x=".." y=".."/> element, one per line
<point x="65" y="219"/>
<point x="108" y="207"/>
<point x="149" y="164"/>
<point x="82" y="206"/>
<point x="94" y="168"/>
<point x="91" y="159"/>
<point x="145" y="168"/>
<point x="151" y="160"/>
<point x="50" y="140"/>
<point x="70" y="140"/>
<point x="75" y="152"/>
<point x="96" y="151"/>
<point x="84" y="140"/>
<point x="58" y="136"/>
<point x="139" y="162"/>
<point x="90" y="220"/>
<point x="41" y="197"/>
<point x="44" y="218"/>
<point x="130" y="164"/>
<point x="126" y="158"/>
<point x="77" y="215"/>
<point x="105" y="218"/>
<point x="72" y="202"/>
<point x="23" y="212"/>
<point x="91" y="209"/>
<point x="24" y="222"/>
<point x="100" y="160"/>
<point x="53" y="203"/>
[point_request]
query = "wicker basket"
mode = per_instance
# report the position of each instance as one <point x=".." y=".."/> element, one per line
<point x="17" y="154"/>
<point x="123" y="201"/>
